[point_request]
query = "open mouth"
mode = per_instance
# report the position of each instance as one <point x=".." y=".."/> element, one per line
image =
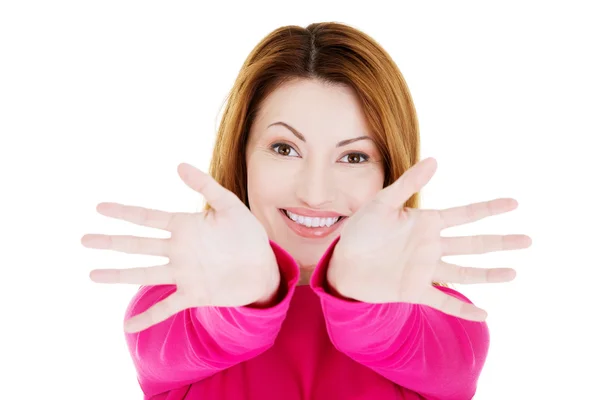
<point x="312" y="222"/>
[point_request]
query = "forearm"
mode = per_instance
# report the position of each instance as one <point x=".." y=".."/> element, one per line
<point x="415" y="346"/>
<point x="198" y="342"/>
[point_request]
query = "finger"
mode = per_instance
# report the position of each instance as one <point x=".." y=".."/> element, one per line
<point x="157" y="275"/>
<point x="446" y="272"/>
<point x="127" y="244"/>
<point x="137" y="215"/>
<point x="159" y="312"/>
<point x="219" y="198"/>
<point x="480" y="244"/>
<point x="450" y="305"/>
<point x="411" y="182"/>
<point x="473" y="212"/>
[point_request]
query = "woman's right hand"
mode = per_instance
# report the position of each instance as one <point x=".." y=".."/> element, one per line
<point x="220" y="257"/>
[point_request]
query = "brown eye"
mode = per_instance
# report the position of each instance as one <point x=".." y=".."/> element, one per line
<point x="283" y="149"/>
<point x="355" y="158"/>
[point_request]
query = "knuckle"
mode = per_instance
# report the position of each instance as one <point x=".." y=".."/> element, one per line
<point x="137" y="245"/>
<point x="171" y="221"/>
<point x="134" y="244"/>
<point x="504" y="242"/>
<point x="435" y="221"/>
<point x="470" y="211"/>
<point x="489" y="207"/>
<point x="143" y="215"/>
<point x="487" y="275"/>
<point x="479" y="244"/>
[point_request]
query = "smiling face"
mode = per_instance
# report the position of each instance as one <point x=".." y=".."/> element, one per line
<point x="310" y="152"/>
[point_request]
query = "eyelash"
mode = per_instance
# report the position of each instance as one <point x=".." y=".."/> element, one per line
<point x="363" y="155"/>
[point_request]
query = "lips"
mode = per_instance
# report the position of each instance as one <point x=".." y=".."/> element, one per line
<point x="311" y="233"/>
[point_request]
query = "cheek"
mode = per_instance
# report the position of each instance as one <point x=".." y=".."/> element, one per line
<point x="360" y="188"/>
<point x="268" y="184"/>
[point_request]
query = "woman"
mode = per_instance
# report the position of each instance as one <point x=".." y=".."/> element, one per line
<point x="311" y="273"/>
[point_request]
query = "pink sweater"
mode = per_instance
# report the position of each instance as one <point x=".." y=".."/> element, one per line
<point x="310" y="344"/>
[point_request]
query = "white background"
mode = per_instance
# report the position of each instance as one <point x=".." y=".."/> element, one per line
<point x="100" y="101"/>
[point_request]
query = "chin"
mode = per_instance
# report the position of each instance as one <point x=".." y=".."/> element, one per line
<point x="306" y="252"/>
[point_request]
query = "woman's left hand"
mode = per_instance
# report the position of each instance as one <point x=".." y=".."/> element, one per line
<point x="391" y="253"/>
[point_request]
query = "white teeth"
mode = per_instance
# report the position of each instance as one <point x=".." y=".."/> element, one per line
<point x="312" y="222"/>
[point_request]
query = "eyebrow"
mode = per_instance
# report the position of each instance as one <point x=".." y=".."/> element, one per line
<point x="301" y="136"/>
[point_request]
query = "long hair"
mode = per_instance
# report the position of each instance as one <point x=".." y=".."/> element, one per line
<point x="333" y="53"/>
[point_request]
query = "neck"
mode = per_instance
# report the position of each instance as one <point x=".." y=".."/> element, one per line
<point x="306" y="272"/>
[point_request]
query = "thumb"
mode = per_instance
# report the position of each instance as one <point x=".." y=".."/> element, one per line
<point x="219" y="198"/>
<point x="411" y="182"/>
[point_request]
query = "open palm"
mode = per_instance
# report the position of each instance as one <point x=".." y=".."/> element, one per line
<point x="220" y="257"/>
<point x="391" y="253"/>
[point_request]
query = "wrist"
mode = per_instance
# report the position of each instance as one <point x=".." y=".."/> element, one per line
<point x="334" y="281"/>
<point x="272" y="291"/>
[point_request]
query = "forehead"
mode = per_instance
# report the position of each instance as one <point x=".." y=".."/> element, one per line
<point x="315" y="106"/>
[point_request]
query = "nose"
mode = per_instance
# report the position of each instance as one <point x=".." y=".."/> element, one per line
<point x="315" y="185"/>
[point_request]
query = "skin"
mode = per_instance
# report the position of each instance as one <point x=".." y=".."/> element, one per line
<point x="386" y="253"/>
<point x="314" y="174"/>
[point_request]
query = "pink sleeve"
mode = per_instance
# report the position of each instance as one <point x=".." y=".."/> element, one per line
<point x="415" y="346"/>
<point x="199" y="342"/>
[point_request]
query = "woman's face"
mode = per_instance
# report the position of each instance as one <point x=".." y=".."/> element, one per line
<point x="300" y="158"/>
